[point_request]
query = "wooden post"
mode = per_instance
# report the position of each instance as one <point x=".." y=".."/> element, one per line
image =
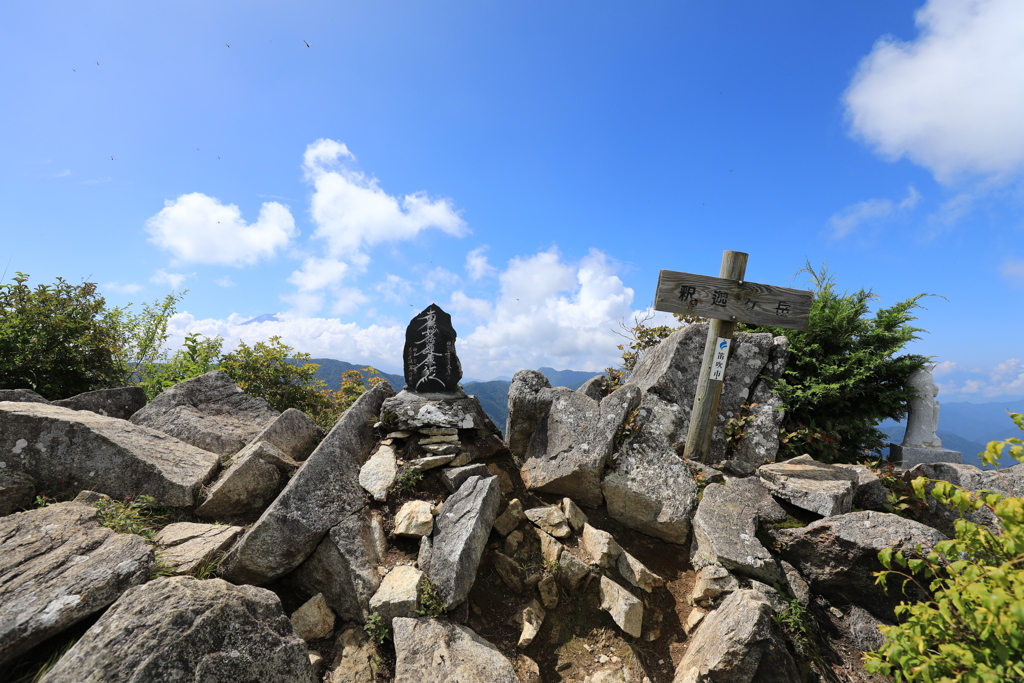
<point x="705" y="403"/>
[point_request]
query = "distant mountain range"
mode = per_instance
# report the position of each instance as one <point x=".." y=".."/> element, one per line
<point x="493" y="395"/>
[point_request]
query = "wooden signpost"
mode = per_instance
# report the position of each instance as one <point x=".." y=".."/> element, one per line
<point x="727" y="300"/>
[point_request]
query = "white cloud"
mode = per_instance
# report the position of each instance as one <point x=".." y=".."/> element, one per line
<point x="852" y="217"/>
<point x="395" y="289"/>
<point x="318" y="273"/>
<point x="553" y="313"/>
<point x="439" y="279"/>
<point x="549" y="312"/>
<point x="353" y="213"/>
<point x="1003" y="380"/>
<point x="951" y="100"/>
<point x="61" y="174"/>
<point x="162" y="277"/>
<point x="1013" y="270"/>
<point x="127" y="288"/>
<point x="225" y="281"/>
<point x="347" y="300"/>
<point x="477" y="265"/>
<point x="196" y="228"/>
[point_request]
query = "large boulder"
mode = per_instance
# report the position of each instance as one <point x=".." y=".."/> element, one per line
<point x="460" y="535"/>
<point x="571" y="444"/>
<point x="322" y="493"/>
<point x="408" y="410"/>
<point x="187" y="546"/>
<point x="102" y="454"/>
<point x="737" y="643"/>
<point x="529" y="397"/>
<point x="122" y="402"/>
<point x="435" y="651"/>
<point x="17" y="490"/>
<point x="58" y="565"/>
<point x="21" y="396"/>
<point x="183" y="629"/>
<point x="814" y="486"/>
<point x="651" y="491"/>
<point x="249" y="484"/>
<point x="725" y="529"/>
<point x="293" y="432"/>
<point x="839" y="555"/>
<point x="210" y="412"/>
<point x="343" y="567"/>
<point x="667" y="375"/>
<point x="1008" y="482"/>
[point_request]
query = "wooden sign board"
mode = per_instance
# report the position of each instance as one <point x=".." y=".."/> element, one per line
<point x="733" y="300"/>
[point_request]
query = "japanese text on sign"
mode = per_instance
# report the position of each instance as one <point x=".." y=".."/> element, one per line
<point x="720" y="359"/>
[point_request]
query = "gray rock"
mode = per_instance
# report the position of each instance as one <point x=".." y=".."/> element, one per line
<point x="737" y="643"/>
<point x="460" y="535"/>
<point x="21" y="396"/>
<point x="17" y="490"/>
<point x="908" y="457"/>
<point x="838" y="555"/>
<point x="634" y="571"/>
<point x="270" y="454"/>
<point x="294" y="433"/>
<point x="507" y="522"/>
<point x="600" y="545"/>
<point x="379" y="472"/>
<point x="551" y="519"/>
<point x="185" y="546"/>
<point x="725" y="533"/>
<point x="343" y="567"/>
<point x="100" y="453"/>
<point x="508" y="570"/>
<point x="711" y="582"/>
<point x="871" y="494"/>
<point x="795" y="584"/>
<point x="122" y="402"/>
<point x="414" y="519"/>
<point x="249" y="484"/>
<point x="594" y="387"/>
<point x="428" y="463"/>
<point x="820" y="488"/>
<point x="624" y="608"/>
<point x="571" y="570"/>
<point x="570" y="446"/>
<point x="314" y="619"/>
<point x="453" y="477"/>
<point x="323" y="492"/>
<point x="398" y="594"/>
<point x="530" y="619"/>
<point x="209" y="412"/>
<point x="573" y="514"/>
<point x="864" y="630"/>
<point x="58" y="565"/>
<point x="550" y="549"/>
<point x="651" y="491"/>
<point x="182" y="629"/>
<point x="529" y="397"/>
<point x="760" y="442"/>
<point x="355" y="662"/>
<point x="436" y="651"/>
<point x="1007" y="481"/>
<point x="548" y="589"/>
<point x="414" y="411"/>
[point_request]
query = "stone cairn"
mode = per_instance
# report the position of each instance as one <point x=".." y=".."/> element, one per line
<point x="920" y="443"/>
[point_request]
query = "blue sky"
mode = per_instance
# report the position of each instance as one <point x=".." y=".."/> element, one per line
<point x="528" y="166"/>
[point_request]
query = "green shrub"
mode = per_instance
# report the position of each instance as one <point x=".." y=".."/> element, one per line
<point x="972" y="628"/>
<point x="198" y="357"/>
<point x="140" y="338"/>
<point x="55" y="339"/>
<point x="844" y="376"/>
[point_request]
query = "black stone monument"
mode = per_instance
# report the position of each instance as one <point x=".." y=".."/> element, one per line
<point x="431" y="365"/>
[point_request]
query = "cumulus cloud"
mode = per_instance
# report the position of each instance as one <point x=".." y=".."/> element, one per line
<point x="352" y="212"/>
<point x="845" y="222"/>
<point x="196" y="228"/>
<point x="549" y="311"/>
<point x="1003" y="380"/>
<point x="477" y="265"/>
<point x="162" y="277"/>
<point x="952" y="99"/>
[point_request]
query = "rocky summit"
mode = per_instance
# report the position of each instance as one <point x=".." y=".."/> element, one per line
<point x="416" y="542"/>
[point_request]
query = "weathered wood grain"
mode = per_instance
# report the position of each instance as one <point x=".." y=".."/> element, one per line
<point x="733" y="300"/>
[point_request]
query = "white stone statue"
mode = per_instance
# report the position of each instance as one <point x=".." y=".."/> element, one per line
<point x="923" y="418"/>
